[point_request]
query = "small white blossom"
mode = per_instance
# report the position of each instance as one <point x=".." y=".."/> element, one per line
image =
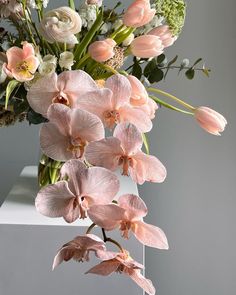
<point x="48" y="65"/>
<point x="88" y="14"/>
<point x="128" y="40"/>
<point x="66" y="60"/>
<point x="33" y="4"/>
<point x="155" y="22"/>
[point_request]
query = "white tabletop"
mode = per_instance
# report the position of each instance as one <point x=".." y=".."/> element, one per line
<point x="19" y="208"/>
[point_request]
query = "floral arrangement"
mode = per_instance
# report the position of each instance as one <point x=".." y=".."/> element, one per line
<point x="81" y="71"/>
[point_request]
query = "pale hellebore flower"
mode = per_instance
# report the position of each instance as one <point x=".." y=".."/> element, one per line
<point x="61" y="25"/>
<point x="122" y="263"/>
<point x="124" y="150"/>
<point x="112" y="104"/>
<point x="138" y="14"/>
<point x="64" y="88"/>
<point x="79" y="249"/>
<point x="72" y="199"/>
<point x="68" y="132"/>
<point x="21" y="62"/>
<point x="210" y="120"/>
<point x="128" y="216"/>
<point x="66" y="60"/>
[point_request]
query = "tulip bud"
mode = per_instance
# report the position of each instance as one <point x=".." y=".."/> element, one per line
<point x="210" y="120"/>
<point x="138" y="14"/>
<point x="164" y="33"/>
<point x="147" y="46"/>
<point x="102" y="51"/>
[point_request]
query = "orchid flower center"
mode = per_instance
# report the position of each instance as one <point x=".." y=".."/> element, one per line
<point x="111" y="118"/>
<point x="125" y="228"/>
<point x="81" y="255"/>
<point x="126" y="162"/>
<point x="82" y="203"/>
<point x="77" y="147"/>
<point x="61" y="99"/>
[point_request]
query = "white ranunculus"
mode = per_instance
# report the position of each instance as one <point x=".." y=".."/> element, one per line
<point x="66" y="60"/>
<point x="61" y="25"/>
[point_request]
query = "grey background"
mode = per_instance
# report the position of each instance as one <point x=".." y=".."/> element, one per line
<point x="196" y="205"/>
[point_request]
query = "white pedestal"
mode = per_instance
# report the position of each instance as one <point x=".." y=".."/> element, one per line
<point x="29" y="242"/>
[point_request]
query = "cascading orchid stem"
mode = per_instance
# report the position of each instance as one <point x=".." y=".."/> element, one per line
<point x="106" y="239"/>
<point x="90" y="228"/>
<point x="186" y="105"/>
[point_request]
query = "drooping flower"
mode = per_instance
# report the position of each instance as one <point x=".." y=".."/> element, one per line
<point x="112" y="104"/>
<point x="68" y="132"/>
<point x="102" y="51"/>
<point x="72" y="199"/>
<point x="122" y="263"/>
<point x="124" y="150"/>
<point x="128" y="216"/>
<point x="21" y="62"/>
<point x="61" y="25"/>
<point x="210" y="120"/>
<point x="64" y="88"/>
<point x="147" y="46"/>
<point x="138" y="14"/>
<point x="80" y="248"/>
<point x="66" y="60"/>
<point x="165" y="34"/>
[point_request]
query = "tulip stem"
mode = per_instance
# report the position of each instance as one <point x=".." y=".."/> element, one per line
<point x="79" y="64"/>
<point x="186" y="105"/>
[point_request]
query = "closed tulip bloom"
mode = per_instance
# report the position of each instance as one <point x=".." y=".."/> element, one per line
<point x="210" y="120"/>
<point x="165" y="34"/>
<point x="102" y="51"/>
<point x="138" y="14"/>
<point x="147" y="46"/>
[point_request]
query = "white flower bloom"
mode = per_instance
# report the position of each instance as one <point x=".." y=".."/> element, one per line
<point x="61" y="25"/>
<point x="94" y="2"/>
<point x="3" y="75"/>
<point x="128" y="40"/>
<point x="48" y="65"/>
<point x="33" y="4"/>
<point x="117" y="24"/>
<point x="155" y="22"/>
<point x="8" y="7"/>
<point x="88" y="14"/>
<point x="66" y="60"/>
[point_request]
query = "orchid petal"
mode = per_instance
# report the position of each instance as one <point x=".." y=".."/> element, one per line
<point x="142" y="282"/>
<point x="105" y="268"/>
<point x="59" y="115"/>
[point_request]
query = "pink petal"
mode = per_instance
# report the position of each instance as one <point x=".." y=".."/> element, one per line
<point x="142" y="282"/>
<point x="100" y="185"/>
<point x="96" y="102"/>
<point x="135" y="116"/>
<point x="134" y="206"/>
<point x="14" y="55"/>
<point x="147" y="168"/>
<point x="106" y="216"/>
<point x="105" y="268"/>
<point x="33" y="63"/>
<point x="59" y="115"/>
<point x="64" y="254"/>
<point x="104" y="153"/>
<point x="75" y="84"/>
<point x="130" y="138"/>
<point x="105" y="255"/>
<point x="86" y="126"/>
<point x="54" y="144"/>
<point x="53" y="200"/>
<point x="121" y="89"/>
<point x="41" y="94"/>
<point x="28" y="49"/>
<point x="73" y="212"/>
<point x="150" y="235"/>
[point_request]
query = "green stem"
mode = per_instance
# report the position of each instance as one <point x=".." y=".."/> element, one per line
<point x="26" y="16"/>
<point x="186" y="105"/>
<point x="72" y="4"/>
<point x="80" y="62"/>
<point x="106" y="239"/>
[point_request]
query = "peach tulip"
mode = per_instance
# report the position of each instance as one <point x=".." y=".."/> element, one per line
<point x="72" y="199"/>
<point x="210" y="120"/>
<point x="102" y="51"/>
<point x="124" y="150"/>
<point x="147" y="46"/>
<point x="21" y="62"/>
<point x="112" y="104"/>
<point x="62" y="89"/>
<point x="128" y="216"/>
<point x="123" y="263"/>
<point x="138" y="14"/>
<point x="139" y="95"/>
<point x="68" y="132"/>
<point x="165" y="34"/>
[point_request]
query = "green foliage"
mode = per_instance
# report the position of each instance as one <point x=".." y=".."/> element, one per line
<point x="11" y="86"/>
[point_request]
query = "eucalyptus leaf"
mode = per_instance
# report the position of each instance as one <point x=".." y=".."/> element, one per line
<point x="190" y="73"/>
<point x="156" y="76"/>
<point x="137" y="70"/>
<point x="152" y="65"/>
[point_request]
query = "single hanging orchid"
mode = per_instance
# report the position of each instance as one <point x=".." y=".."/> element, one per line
<point x="72" y="199"/>
<point x="128" y="216"/>
<point x="112" y="104"/>
<point x="68" y="132"/>
<point x="124" y="264"/>
<point x="63" y="89"/>
<point x="124" y="149"/>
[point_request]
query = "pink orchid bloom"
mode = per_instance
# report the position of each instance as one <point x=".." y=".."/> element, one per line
<point x="72" y="199"/>
<point x="80" y="248"/>
<point x="139" y="95"/>
<point x="124" y="149"/>
<point x="150" y="108"/>
<point x="63" y="89"/>
<point x="112" y="104"/>
<point x="68" y="132"/>
<point x="128" y="216"/>
<point x="122" y="263"/>
<point x="21" y="62"/>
